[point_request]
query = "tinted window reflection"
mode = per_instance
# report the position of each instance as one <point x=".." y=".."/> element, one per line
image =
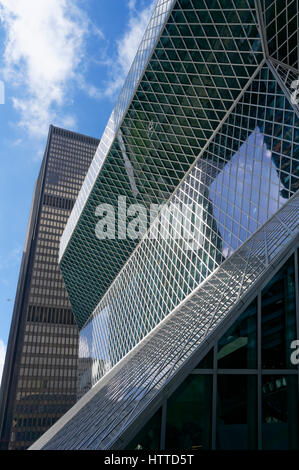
<point x="207" y="361"/>
<point x="237" y="348"/>
<point x="278" y="319"/>
<point x="236" y="412"/>
<point x="189" y="414"/>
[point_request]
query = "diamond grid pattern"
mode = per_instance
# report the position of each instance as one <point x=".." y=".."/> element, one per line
<point x="100" y="423"/>
<point x="289" y="78"/>
<point x="238" y="182"/>
<point x="208" y="124"/>
<point x="282" y="30"/>
<point x="152" y="33"/>
<point x="203" y="59"/>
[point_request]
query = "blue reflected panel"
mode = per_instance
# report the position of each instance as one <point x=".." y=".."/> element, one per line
<point x="94" y="359"/>
<point x="238" y="182"/>
<point x="151" y="34"/>
<point x="246" y="192"/>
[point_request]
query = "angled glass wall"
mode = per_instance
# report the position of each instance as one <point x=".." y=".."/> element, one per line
<point x="110" y="414"/>
<point x="246" y="173"/>
<point x="239" y="402"/>
<point x="204" y="124"/>
<point x="204" y="56"/>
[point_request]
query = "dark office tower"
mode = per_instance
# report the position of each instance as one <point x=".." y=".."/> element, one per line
<point x="40" y="374"/>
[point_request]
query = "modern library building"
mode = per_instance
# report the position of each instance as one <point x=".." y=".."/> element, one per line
<point x="189" y="316"/>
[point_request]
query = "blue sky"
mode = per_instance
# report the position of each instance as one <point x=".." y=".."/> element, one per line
<point x="62" y="62"/>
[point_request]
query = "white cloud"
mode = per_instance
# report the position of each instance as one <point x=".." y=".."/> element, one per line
<point x="127" y="46"/>
<point x="132" y="4"/>
<point x="2" y="357"/>
<point x="11" y="259"/>
<point x="43" y="50"/>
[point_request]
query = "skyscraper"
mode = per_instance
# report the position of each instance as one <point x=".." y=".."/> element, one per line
<point x="188" y="339"/>
<point x="40" y="374"/>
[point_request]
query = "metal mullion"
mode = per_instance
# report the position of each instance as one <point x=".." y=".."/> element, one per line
<point x="123" y="102"/>
<point x="237" y="371"/>
<point x="181" y="108"/>
<point x="279" y="372"/>
<point x="202" y="108"/>
<point x="284" y="89"/>
<point x="137" y="403"/>
<point x="211" y="76"/>
<point x="150" y="297"/>
<point x="287" y="67"/>
<point x="256" y="150"/>
<point x="164" y="275"/>
<point x="214" y="397"/>
<point x="154" y="282"/>
<point x="237" y="48"/>
<point x="233" y="115"/>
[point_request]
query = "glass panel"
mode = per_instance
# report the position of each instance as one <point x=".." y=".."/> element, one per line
<point x="149" y="436"/>
<point x="237" y="348"/>
<point x="189" y="413"/>
<point x="280" y="412"/>
<point x="207" y="361"/>
<point x="278" y="319"/>
<point x="236" y="412"/>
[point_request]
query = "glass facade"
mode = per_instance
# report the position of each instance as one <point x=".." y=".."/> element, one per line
<point x="241" y="179"/>
<point x="280" y="412"/>
<point x="189" y="412"/>
<point x="40" y="385"/>
<point x="236" y="412"/>
<point x="255" y="407"/>
<point x="198" y="68"/>
<point x="279" y="319"/>
<point x="109" y="415"/>
<point x="149" y="437"/>
<point x="238" y="347"/>
<point x="210" y="130"/>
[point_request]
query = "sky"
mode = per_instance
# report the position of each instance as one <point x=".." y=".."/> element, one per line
<point x="62" y="62"/>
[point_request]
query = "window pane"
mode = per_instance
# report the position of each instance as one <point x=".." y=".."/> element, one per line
<point x="278" y="319"/>
<point x="207" y="361"/>
<point x="280" y="412"/>
<point x="237" y="348"/>
<point x="236" y="412"/>
<point x="149" y="436"/>
<point x="189" y="414"/>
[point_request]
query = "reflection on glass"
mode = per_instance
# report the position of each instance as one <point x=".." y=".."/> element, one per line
<point x="279" y="319"/>
<point x="149" y="436"/>
<point x="246" y="191"/>
<point x="280" y="412"/>
<point x="236" y="412"/>
<point x="94" y="359"/>
<point x="189" y="414"/>
<point x="242" y="178"/>
<point x="237" y="348"/>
